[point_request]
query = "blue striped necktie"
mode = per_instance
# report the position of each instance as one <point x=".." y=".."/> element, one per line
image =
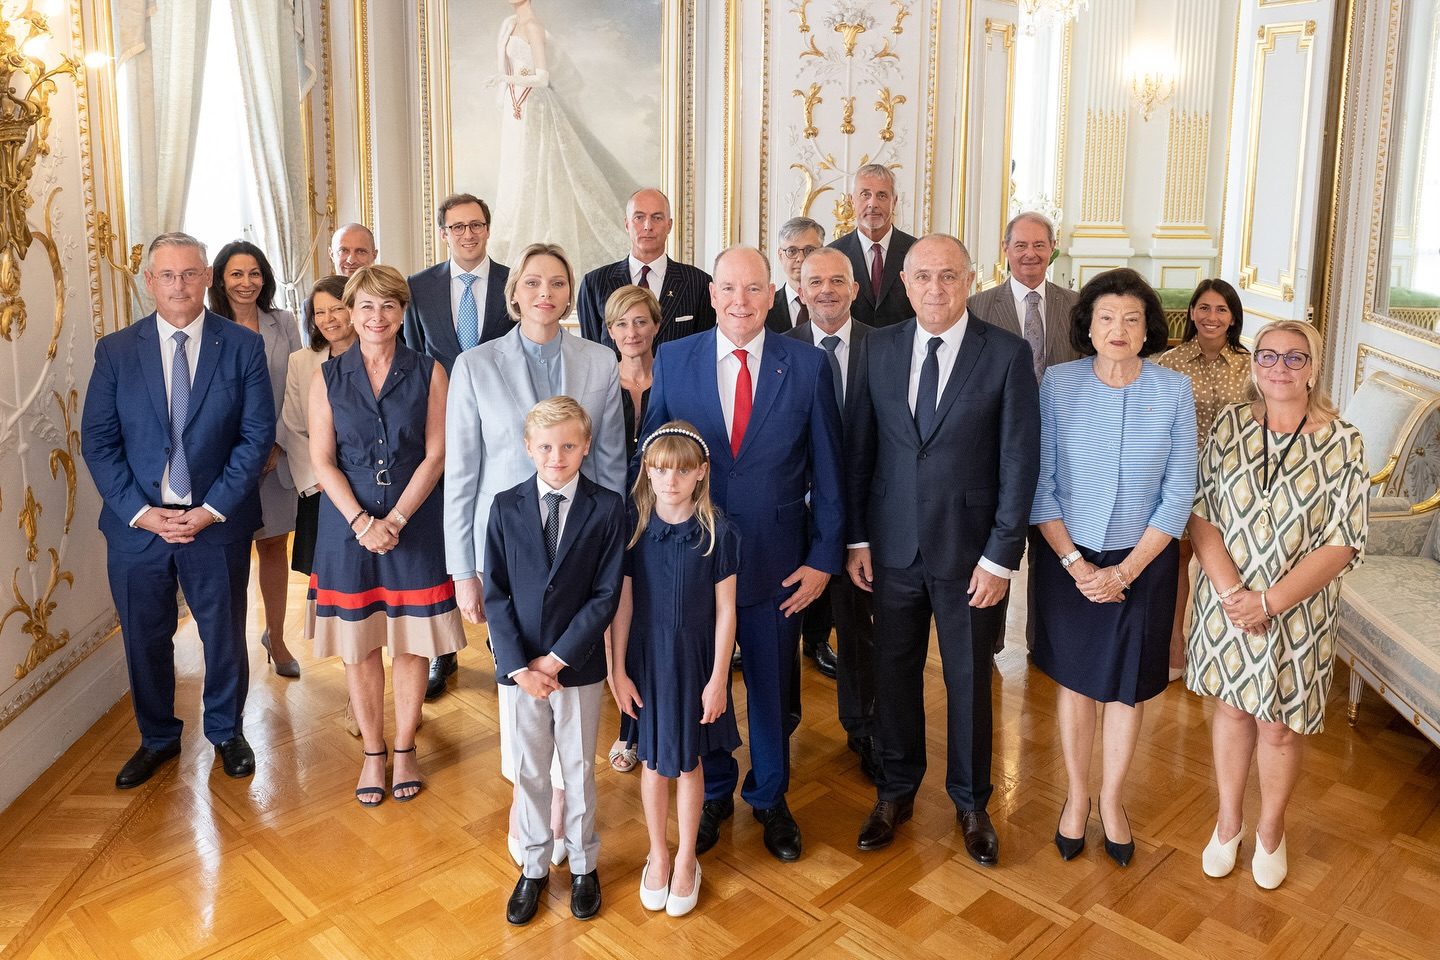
<point x="467" y="325"/>
<point x="179" y="413"/>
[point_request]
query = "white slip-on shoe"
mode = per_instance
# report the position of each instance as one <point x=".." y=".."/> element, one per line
<point x="679" y="906"/>
<point x="1269" y="868"/>
<point x="1219" y="858"/>
<point x="652" y="899"/>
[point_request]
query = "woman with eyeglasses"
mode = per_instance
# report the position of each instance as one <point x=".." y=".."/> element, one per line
<point x="1279" y="517"/>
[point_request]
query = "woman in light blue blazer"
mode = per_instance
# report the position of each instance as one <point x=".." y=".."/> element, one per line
<point x="242" y="288"/>
<point x="1117" y="479"/>
<point x="492" y="388"/>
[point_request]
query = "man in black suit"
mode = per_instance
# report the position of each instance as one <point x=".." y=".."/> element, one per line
<point x="877" y="249"/>
<point x="457" y="304"/>
<point x="683" y="290"/>
<point x="941" y="462"/>
<point x="352" y="246"/>
<point x="799" y="237"/>
<point x="828" y="287"/>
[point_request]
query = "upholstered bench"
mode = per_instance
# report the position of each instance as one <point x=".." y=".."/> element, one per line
<point x="1390" y="614"/>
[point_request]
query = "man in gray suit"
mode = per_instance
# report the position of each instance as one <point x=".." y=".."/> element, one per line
<point x="1029" y="245"/>
<point x="1044" y="306"/>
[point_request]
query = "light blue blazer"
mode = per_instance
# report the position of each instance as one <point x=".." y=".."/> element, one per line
<point x="490" y="394"/>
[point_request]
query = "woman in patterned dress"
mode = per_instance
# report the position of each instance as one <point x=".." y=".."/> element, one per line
<point x="1218" y="366"/>
<point x="1280" y="515"/>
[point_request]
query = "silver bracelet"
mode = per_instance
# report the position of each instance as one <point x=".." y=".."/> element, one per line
<point x="400" y="518"/>
<point x="366" y="530"/>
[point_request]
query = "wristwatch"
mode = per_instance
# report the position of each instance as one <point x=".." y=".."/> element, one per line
<point x="1069" y="558"/>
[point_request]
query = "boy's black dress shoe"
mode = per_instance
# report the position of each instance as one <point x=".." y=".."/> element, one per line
<point x="441" y="669"/>
<point x="525" y="900"/>
<point x="236" y="756"/>
<point x="782" y="833"/>
<point x="825" y="659"/>
<point x="585" y="895"/>
<point x="879" y="828"/>
<point x="711" y="813"/>
<point x="143" y="764"/>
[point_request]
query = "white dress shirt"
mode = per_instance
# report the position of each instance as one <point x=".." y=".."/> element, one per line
<point x="457" y="290"/>
<point x="568" y="492"/>
<point x="842" y="350"/>
<point x="792" y="300"/>
<point x="166" y="332"/>
<point x="729" y="371"/>
<point x="1019" y="291"/>
<point x="868" y="245"/>
<point x="655" y="282"/>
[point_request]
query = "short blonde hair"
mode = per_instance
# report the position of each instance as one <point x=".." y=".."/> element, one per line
<point x="555" y="411"/>
<point x="1321" y="409"/>
<point x="378" y="280"/>
<point x="626" y="298"/>
<point x="537" y="250"/>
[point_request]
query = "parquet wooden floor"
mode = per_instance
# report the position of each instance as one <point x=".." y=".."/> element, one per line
<point x="286" y="864"/>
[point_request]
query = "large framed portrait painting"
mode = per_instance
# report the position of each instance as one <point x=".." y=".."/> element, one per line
<point x="557" y="113"/>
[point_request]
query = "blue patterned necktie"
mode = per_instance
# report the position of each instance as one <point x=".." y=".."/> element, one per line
<point x="468" y="319"/>
<point x="552" y="525"/>
<point x="179" y="413"/>
<point x="927" y="397"/>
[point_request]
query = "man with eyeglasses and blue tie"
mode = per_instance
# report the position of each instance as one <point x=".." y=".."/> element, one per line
<point x="455" y="305"/>
<point x="178" y="421"/>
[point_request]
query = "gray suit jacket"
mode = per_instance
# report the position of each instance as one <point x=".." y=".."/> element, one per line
<point x="996" y="306"/>
<point x="490" y="394"/>
<point x="282" y="338"/>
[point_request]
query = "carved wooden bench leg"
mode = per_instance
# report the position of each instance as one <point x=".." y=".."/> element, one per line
<point x="1357" y="689"/>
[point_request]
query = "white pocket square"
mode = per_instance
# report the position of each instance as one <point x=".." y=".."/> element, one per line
<point x="685" y="319"/>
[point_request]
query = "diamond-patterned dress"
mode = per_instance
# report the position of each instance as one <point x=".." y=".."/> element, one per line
<point x="1318" y="500"/>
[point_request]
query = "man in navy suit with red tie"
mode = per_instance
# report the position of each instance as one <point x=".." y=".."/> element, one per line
<point x="178" y="421"/>
<point x="766" y="407"/>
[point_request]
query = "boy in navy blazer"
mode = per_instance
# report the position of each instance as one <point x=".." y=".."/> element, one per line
<point x="553" y="552"/>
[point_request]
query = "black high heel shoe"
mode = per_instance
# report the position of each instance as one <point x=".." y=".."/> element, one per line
<point x="417" y="784"/>
<point x="1070" y="847"/>
<point x="1121" y="853"/>
<point x="363" y="795"/>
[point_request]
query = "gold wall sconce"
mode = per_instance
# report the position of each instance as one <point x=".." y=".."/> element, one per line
<point x="1151" y="87"/>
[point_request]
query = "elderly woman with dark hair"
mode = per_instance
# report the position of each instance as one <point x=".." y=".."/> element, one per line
<point x="1218" y="366"/>
<point x="1117" y="479"/>
<point x="242" y="288"/>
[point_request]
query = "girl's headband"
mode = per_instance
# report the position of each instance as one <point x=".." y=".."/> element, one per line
<point x="675" y="432"/>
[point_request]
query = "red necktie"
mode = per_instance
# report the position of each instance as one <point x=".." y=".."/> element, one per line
<point x="743" y="401"/>
<point x="645" y="275"/>
<point x="877" y="269"/>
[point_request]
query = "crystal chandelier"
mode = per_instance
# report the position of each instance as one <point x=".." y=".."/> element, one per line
<point x="1035" y="13"/>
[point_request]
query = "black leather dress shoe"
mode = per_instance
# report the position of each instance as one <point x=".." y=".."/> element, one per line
<point x="143" y="764"/>
<point x="712" y="812"/>
<point x="236" y="757"/>
<point x="980" y="840"/>
<point x="879" y="828"/>
<point x="782" y="833"/>
<point x="735" y="658"/>
<point x="525" y="900"/>
<point x="585" y="895"/>
<point x="441" y="669"/>
<point x="825" y="659"/>
<point x="869" y="752"/>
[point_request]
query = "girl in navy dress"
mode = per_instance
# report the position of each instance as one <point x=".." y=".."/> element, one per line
<point x="672" y="638"/>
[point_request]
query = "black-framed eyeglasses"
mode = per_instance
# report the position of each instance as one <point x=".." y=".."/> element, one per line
<point x="1295" y="360"/>
<point x="460" y="229"/>
<point x="793" y="253"/>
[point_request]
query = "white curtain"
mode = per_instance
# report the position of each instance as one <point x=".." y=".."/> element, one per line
<point x="160" y="61"/>
<point x="268" y="35"/>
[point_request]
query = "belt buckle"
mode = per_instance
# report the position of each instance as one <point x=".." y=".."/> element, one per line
<point x="382" y="477"/>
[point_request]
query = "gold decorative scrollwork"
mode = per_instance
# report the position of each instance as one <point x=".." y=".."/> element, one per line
<point x="57" y="273"/>
<point x="37" y="617"/>
<point x="64" y="458"/>
<point x="847" y="118"/>
<point x="27" y="521"/>
<point x="24" y="136"/>
<point x="106" y="237"/>
<point x="799" y="9"/>
<point x="849" y="30"/>
<point x="811" y="191"/>
<point x="885" y="53"/>
<point x="901" y="12"/>
<point x="844" y="215"/>
<point x="812" y="50"/>
<point x="886" y="104"/>
<point x="811" y="99"/>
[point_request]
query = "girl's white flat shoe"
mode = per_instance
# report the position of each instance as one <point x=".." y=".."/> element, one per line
<point x="1269" y="868"/>
<point x="652" y="899"/>
<point x="679" y="906"/>
<point x="1219" y="858"/>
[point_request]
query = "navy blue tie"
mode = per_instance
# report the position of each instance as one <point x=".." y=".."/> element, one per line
<point x="552" y="525"/>
<point x="830" y="343"/>
<point x="928" y="396"/>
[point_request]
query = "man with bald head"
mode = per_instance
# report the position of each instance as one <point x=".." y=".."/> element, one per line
<point x="352" y="246"/>
<point x="876" y="248"/>
<point x="828" y="290"/>
<point x="765" y="405"/>
<point x="683" y="290"/>
<point x="941" y="462"/>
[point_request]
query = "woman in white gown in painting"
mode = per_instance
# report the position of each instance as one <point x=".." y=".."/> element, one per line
<point x="555" y="182"/>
